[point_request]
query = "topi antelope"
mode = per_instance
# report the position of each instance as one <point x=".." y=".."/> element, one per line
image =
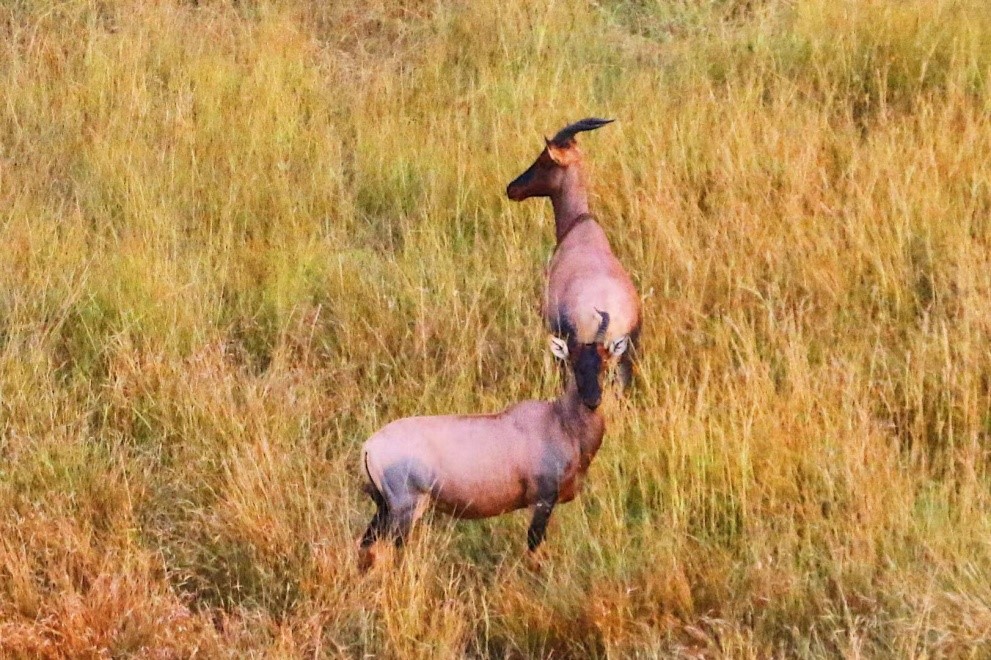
<point x="584" y="278"/>
<point x="533" y="454"/>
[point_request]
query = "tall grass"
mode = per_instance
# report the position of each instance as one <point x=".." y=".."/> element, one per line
<point x="239" y="237"/>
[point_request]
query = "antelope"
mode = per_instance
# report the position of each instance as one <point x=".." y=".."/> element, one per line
<point x="584" y="278"/>
<point x="533" y="454"/>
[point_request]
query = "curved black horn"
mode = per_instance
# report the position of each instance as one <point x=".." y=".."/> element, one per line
<point x="600" y="334"/>
<point x="588" y="124"/>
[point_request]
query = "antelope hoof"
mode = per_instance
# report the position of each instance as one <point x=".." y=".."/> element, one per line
<point x="366" y="559"/>
<point x="534" y="562"/>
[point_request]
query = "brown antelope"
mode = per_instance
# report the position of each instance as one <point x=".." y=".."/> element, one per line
<point x="584" y="278"/>
<point x="533" y="454"/>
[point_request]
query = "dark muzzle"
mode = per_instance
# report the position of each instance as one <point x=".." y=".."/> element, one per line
<point x="587" y="368"/>
<point x="517" y="188"/>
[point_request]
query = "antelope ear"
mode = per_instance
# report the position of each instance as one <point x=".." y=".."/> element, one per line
<point x="618" y="346"/>
<point x="562" y="156"/>
<point x="559" y="347"/>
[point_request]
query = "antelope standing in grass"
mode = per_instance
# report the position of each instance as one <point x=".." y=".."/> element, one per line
<point x="533" y="454"/>
<point x="584" y="278"/>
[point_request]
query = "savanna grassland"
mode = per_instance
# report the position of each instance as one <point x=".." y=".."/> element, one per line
<point x="239" y="237"/>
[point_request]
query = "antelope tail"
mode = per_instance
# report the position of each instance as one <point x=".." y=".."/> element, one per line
<point x="372" y="489"/>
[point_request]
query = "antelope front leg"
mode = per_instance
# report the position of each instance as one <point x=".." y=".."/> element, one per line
<point x="546" y="499"/>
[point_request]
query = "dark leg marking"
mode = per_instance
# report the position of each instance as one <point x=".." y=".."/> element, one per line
<point x="546" y="499"/>
<point x="401" y="522"/>
<point x="538" y="527"/>
<point x="378" y="522"/>
<point x="375" y="527"/>
<point x="404" y="483"/>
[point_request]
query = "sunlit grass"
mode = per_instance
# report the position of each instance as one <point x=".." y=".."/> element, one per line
<point x="241" y="237"/>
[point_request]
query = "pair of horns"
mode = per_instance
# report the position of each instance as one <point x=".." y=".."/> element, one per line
<point x="567" y="134"/>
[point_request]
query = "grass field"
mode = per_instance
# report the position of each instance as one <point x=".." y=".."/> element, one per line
<point x="239" y="237"/>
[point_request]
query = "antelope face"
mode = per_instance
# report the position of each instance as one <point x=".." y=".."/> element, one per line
<point x="587" y="362"/>
<point x="546" y="175"/>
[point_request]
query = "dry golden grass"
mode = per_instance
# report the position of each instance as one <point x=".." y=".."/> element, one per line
<point x="240" y="237"/>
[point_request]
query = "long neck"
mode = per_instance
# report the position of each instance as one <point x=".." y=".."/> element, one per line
<point x="570" y="201"/>
<point x="585" y="425"/>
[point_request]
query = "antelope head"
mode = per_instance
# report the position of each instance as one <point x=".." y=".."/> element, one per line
<point x="546" y="175"/>
<point x="587" y="361"/>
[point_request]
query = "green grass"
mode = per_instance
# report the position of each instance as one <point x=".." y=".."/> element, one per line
<point x="240" y="237"/>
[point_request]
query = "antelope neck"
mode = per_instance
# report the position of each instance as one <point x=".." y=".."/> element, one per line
<point x="575" y="416"/>
<point x="570" y="202"/>
<point x="575" y="222"/>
